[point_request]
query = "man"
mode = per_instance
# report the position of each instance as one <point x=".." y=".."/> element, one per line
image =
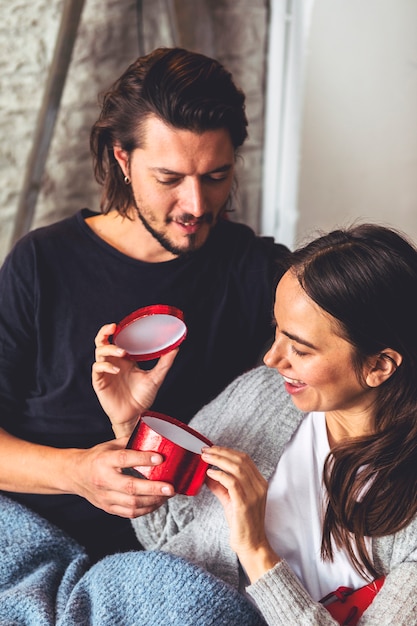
<point x="164" y="149"/>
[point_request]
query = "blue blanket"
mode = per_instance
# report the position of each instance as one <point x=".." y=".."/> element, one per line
<point x="46" y="580"/>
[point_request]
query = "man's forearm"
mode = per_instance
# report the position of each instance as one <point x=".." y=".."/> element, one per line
<point x="31" y="468"/>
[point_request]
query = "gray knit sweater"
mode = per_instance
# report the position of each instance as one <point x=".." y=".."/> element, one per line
<point x="256" y="415"/>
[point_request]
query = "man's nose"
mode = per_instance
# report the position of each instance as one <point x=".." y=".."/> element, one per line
<point x="192" y="200"/>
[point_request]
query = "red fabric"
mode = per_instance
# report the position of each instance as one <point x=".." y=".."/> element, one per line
<point x="346" y="605"/>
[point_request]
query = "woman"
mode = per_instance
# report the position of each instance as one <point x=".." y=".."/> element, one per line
<point x="314" y="477"/>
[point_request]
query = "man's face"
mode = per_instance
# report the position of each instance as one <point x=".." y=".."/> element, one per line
<point x="181" y="181"/>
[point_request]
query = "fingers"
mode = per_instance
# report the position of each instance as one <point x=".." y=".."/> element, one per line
<point x="241" y="489"/>
<point x="133" y="458"/>
<point x="136" y="511"/>
<point x="239" y="474"/>
<point x="228" y="460"/>
<point x="104" y="367"/>
<point x="107" y="355"/>
<point x="101" y="480"/>
<point x="146" y="497"/>
<point x="135" y="496"/>
<point x="104" y="348"/>
<point x="104" y="333"/>
<point x="138" y="486"/>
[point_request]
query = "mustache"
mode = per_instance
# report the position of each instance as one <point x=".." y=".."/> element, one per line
<point x="187" y="219"/>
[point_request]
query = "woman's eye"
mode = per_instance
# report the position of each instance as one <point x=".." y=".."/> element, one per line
<point x="298" y="352"/>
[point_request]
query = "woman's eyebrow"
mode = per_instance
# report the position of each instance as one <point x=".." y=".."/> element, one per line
<point x="298" y="339"/>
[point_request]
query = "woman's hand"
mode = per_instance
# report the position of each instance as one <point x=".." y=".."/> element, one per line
<point x="124" y="390"/>
<point x="242" y="491"/>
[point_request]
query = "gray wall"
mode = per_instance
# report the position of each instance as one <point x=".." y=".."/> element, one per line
<point x="359" y="143"/>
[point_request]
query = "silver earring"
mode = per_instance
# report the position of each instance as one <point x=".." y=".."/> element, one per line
<point x="127" y="180"/>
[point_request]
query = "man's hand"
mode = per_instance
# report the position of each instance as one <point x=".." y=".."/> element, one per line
<point x="97" y="476"/>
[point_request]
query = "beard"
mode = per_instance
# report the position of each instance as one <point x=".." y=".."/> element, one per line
<point x="166" y="243"/>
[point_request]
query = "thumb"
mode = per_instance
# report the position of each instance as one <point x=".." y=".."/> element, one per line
<point x="163" y="366"/>
<point x="218" y="490"/>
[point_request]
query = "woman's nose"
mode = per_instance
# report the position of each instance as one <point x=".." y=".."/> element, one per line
<point x="268" y="358"/>
<point x="275" y="355"/>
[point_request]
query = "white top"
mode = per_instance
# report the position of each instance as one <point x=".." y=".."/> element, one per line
<point x="294" y="512"/>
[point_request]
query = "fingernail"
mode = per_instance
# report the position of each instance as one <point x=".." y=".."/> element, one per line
<point x="167" y="491"/>
<point x="155" y="459"/>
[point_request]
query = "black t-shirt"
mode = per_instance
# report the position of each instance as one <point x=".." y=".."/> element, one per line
<point x="61" y="283"/>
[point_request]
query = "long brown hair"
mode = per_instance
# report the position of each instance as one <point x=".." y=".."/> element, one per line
<point x="185" y="89"/>
<point x="366" y="278"/>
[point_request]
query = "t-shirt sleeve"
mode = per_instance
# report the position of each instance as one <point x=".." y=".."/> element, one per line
<point x="17" y="338"/>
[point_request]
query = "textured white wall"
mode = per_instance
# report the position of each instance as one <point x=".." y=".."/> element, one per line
<point x="234" y="31"/>
<point x="27" y="34"/>
<point x="106" y="42"/>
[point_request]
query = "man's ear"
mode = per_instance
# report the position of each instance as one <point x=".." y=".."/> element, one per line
<point x="122" y="157"/>
<point x="382" y="366"/>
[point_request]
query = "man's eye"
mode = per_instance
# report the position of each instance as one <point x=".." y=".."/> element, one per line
<point x="216" y="178"/>
<point x="169" y="181"/>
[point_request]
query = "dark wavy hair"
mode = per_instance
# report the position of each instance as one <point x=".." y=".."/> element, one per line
<point x="365" y="277"/>
<point x="185" y="89"/>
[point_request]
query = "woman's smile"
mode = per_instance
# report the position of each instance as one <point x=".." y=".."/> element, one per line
<point x="293" y="386"/>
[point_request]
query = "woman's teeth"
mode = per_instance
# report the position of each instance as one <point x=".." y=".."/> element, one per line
<point x="293" y="381"/>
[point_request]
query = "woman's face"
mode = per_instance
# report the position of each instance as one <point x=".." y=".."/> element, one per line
<point x="315" y="362"/>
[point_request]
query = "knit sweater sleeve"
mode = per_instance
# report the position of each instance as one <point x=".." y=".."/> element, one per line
<point x="283" y="600"/>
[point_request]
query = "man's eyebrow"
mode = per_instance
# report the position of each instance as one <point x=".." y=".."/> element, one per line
<point x="163" y="170"/>
<point x="298" y="339"/>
